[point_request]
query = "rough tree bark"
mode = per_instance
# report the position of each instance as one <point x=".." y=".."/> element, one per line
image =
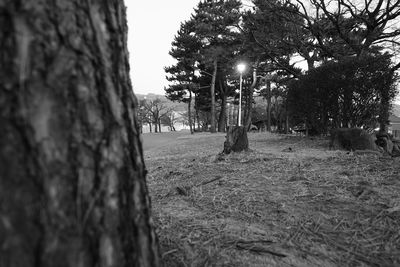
<point x="236" y="139"/>
<point x="72" y="175"/>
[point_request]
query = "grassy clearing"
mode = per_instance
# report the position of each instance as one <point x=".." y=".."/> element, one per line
<point x="266" y="207"/>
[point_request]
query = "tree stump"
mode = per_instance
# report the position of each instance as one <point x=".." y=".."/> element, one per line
<point x="385" y="142"/>
<point x="236" y="139"/>
<point x="396" y="148"/>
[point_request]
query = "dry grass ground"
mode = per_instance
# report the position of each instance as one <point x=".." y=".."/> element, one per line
<point x="273" y="206"/>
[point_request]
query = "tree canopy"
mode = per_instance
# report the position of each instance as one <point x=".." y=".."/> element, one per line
<point x="348" y="49"/>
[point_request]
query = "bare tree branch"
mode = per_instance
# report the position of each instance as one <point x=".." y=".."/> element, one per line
<point x="273" y="59"/>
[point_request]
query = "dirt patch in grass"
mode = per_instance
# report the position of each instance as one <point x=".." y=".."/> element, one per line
<point x="287" y="202"/>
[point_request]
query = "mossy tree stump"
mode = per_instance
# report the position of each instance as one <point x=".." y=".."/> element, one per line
<point x="236" y="139"/>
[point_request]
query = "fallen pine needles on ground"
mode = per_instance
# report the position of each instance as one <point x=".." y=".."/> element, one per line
<point x="274" y="206"/>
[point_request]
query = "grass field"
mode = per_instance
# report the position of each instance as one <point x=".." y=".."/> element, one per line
<point x="272" y="206"/>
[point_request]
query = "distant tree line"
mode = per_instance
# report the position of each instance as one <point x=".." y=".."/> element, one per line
<point x="159" y="112"/>
<point x="152" y="112"/>
<point x="349" y="47"/>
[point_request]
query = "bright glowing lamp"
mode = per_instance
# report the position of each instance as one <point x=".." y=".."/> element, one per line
<point x="241" y="67"/>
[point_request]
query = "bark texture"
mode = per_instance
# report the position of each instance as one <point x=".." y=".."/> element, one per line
<point x="72" y="175"/>
<point x="236" y="139"/>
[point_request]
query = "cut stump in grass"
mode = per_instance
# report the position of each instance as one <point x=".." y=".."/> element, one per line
<point x="236" y="140"/>
<point x="384" y="141"/>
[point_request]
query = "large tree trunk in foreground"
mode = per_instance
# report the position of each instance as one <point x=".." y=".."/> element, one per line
<point x="236" y="139"/>
<point x="72" y="175"/>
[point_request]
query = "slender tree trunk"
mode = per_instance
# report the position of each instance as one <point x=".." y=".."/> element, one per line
<point x="384" y="110"/>
<point x="310" y="64"/>
<point x="190" y="112"/>
<point x="150" y="127"/>
<point x="72" y="176"/>
<point x="286" y="122"/>
<point x="198" y="121"/>
<point x="347" y="106"/>
<point x="286" y="116"/>
<point x="214" y="76"/>
<point x="196" y="113"/>
<point x="194" y="122"/>
<point x="222" y="114"/>
<point x="249" y="106"/>
<point x="155" y="121"/>
<point x="269" y="96"/>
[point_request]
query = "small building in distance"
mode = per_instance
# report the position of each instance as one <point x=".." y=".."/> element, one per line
<point x="394" y="126"/>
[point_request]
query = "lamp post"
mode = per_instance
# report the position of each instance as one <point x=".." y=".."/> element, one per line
<point x="228" y="114"/>
<point x="241" y="68"/>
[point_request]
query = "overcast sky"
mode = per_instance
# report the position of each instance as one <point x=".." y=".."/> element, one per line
<point x="152" y="27"/>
